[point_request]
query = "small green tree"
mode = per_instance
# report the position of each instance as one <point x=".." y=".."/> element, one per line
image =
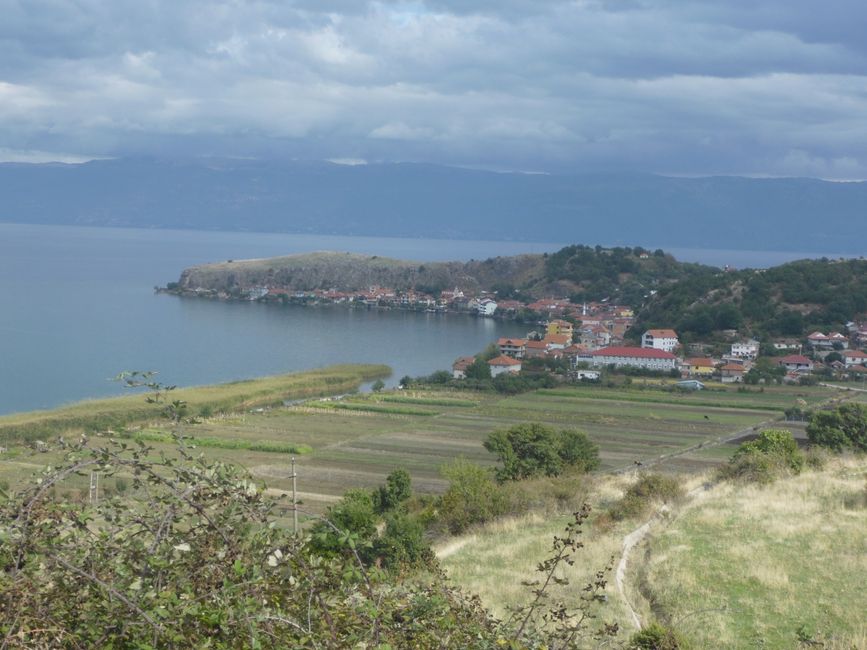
<point x="532" y="449"/>
<point x="377" y="386"/>
<point x="844" y="427"/>
<point x="774" y="453"/>
<point x="397" y="489"/>
<point x="479" y="370"/>
<point x="473" y="497"/>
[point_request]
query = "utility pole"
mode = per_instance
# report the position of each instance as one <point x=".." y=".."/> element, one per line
<point x="94" y="488"/>
<point x="294" y="500"/>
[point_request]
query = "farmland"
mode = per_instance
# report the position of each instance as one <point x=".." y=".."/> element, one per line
<point x="355" y="441"/>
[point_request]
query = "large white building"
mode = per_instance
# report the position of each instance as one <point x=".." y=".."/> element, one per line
<point x="745" y="349"/>
<point x="627" y="357"/>
<point x="660" y="340"/>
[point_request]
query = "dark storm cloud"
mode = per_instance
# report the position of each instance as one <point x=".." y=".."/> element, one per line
<point x="686" y="86"/>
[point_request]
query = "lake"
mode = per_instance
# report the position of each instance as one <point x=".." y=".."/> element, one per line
<point x="77" y="307"/>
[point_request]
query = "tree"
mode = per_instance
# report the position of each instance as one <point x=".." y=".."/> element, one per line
<point x="479" y="370"/>
<point x="774" y="453"/>
<point x="473" y="497"/>
<point x="844" y="427"/>
<point x="378" y="385"/>
<point x="531" y="449"/>
<point x="397" y="489"/>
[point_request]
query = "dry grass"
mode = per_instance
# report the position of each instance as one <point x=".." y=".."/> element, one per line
<point x="755" y="566"/>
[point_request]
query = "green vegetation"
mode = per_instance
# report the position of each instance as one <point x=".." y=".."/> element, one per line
<point x="472" y="497"/>
<point x="842" y="428"/>
<point x="648" y="490"/>
<point x="115" y="413"/>
<point x="274" y="446"/>
<point x="775" y="566"/>
<point x="772" y="455"/>
<point x="528" y="450"/>
<point x="788" y="300"/>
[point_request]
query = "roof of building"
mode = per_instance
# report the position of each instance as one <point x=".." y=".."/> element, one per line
<point x="461" y="363"/>
<point x="701" y="362"/>
<point x="855" y="354"/>
<point x="503" y="360"/>
<point x="537" y="345"/>
<point x="512" y="342"/>
<point x="817" y="336"/>
<point x="640" y="353"/>
<point x="795" y="358"/>
<point x="561" y="339"/>
<point x="662" y="334"/>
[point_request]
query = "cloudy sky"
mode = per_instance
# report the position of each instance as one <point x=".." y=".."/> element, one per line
<point x="693" y="87"/>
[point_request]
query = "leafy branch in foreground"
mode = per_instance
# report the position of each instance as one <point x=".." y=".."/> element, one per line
<point x="192" y="554"/>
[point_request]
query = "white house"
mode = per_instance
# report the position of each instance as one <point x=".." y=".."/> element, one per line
<point x="660" y="340"/>
<point x="504" y="364"/>
<point x="796" y="363"/>
<point x="486" y="307"/>
<point x="854" y="358"/>
<point x="647" y="358"/>
<point x="745" y="349"/>
<point x="459" y="367"/>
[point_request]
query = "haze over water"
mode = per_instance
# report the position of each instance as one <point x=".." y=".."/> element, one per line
<point x="77" y="307"/>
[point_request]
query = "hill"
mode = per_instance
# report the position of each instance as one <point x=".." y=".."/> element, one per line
<point x="623" y="275"/>
<point x="419" y="200"/>
<point x="696" y="300"/>
<point x="787" y="300"/>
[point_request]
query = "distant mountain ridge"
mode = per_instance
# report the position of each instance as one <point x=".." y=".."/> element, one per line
<point x="421" y="200"/>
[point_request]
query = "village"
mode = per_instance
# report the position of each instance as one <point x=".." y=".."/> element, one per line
<point x="590" y="348"/>
<point x="581" y="341"/>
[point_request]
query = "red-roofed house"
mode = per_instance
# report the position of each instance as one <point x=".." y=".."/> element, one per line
<point x="535" y="349"/>
<point x="514" y="348"/>
<point x="854" y="358"/>
<point x="557" y="341"/>
<point x="459" y="367"/>
<point x="660" y="340"/>
<point x="648" y="358"/>
<point x="796" y="363"/>
<point x="697" y="367"/>
<point x="731" y="373"/>
<point x="504" y="364"/>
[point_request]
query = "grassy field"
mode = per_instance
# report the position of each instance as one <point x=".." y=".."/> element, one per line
<point x="356" y="441"/>
<point x="750" y="567"/>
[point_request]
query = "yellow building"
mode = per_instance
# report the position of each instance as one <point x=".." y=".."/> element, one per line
<point x="560" y="327"/>
<point x="699" y="367"/>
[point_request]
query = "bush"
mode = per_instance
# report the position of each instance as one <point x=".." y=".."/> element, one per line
<point x="641" y="495"/>
<point x="656" y="636"/>
<point x="843" y="428"/>
<point x="397" y="489"/>
<point x="473" y="497"/>
<point x="772" y="455"/>
<point x="534" y="449"/>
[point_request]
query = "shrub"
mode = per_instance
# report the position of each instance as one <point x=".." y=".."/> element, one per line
<point x="534" y="449"/>
<point x="397" y="489"/>
<point x="772" y="455"/>
<point x="473" y="497"/>
<point x="843" y="428"/>
<point x="656" y="636"/>
<point x="641" y="495"/>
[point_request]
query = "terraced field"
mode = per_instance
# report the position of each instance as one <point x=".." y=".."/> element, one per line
<point x="355" y="441"/>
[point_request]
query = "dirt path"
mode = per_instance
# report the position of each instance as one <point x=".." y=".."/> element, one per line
<point x="454" y="547"/>
<point x="637" y="536"/>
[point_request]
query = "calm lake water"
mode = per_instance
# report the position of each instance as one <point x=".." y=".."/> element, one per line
<point x="77" y="307"/>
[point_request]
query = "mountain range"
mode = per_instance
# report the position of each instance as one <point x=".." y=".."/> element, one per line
<point x="422" y="200"/>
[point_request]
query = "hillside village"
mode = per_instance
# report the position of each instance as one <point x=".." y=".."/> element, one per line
<point x="596" y="344"/>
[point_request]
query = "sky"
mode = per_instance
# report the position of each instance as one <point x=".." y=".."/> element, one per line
<point x="681" y="87"/>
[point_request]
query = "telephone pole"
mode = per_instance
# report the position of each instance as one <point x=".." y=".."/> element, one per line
<point x="294" y="500"/>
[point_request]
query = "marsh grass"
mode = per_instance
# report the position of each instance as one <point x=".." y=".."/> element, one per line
<point x="115" y="413"/>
